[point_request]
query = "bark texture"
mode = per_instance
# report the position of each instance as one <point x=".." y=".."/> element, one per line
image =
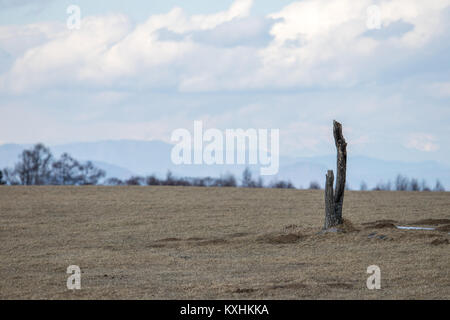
<point x="334" y="199"/>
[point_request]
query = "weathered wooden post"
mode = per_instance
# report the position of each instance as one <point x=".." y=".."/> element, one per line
<point x="335" y="199"/>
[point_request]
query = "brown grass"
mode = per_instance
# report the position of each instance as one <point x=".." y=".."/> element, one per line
<point x="212" y="243"/>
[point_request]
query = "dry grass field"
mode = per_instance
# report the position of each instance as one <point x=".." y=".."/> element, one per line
<point x="219" y="243"/>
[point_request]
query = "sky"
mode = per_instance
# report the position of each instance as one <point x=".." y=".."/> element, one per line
<point x="141" y="69"/>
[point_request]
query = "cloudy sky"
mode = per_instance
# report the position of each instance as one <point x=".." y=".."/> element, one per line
<point x="140" y="69"/>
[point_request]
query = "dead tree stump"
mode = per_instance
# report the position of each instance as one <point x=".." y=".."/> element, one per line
<point x="335" y="199"/>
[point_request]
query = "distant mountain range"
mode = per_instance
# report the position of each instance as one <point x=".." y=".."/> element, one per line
<point x="125" y="158"/>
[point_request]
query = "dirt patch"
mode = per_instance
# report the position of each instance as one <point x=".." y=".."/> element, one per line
<point x="432" y="222"/>
<point x="211" y="242"/>
<point x="175" y="242"/>
<point x="281" y="286"/>
<point x="293" y="286"/>
<point x="238" y="235"/>
<point x="445" y="228"/>
<point x="275" y="238"/>
<point x="380" y="224"/>
<point x="244" y="290"/>
<point x="412" y="235"/>
<point x="374" y="235"/>
<point x="439" y="241"/>
<point x="347" y="226"/>
<point x="169" y="240"/>
<point x="195" y="239"/>
<point x="340" y="285"/>
<point x="165" y="243"/>
<point x="110" y="230"/>
<point x="291" y="227"/>
<point x="380" y="221"/>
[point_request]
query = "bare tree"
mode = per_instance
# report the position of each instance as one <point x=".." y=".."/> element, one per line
<point x="314" y="185"/>
<point x="282" y="184"/>
<point x="259" y="183"/>
<point x="425" y="186"/>
<point x="10" y="177"/>
<point x="401" y="183"/>
<point x="114" y="182"/>
<point x="228" y="180"/>
<point x="414" y="185"/>
<point x="91" y="174"/>
<point x="334" y="199"/>
<point x="170" y="180"/>
<point x="152" y="181"/>
<point x="135" y="181"/>
<point x="438" y="187"/>
<point x="67" y="171"/>
<point x="2" y="182"/>
<point x="381" y="186"/>
<point x="247" y="181"/>
<point x="34" y="166"/>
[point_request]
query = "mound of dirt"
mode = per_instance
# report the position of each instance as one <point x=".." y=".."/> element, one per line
<point x="439" y="241"/>
<point x="291" y="227"/>
<point x="380" y="224"/>
<point x="345" y="227"/>
<point x="431" y="222"/>
<point x="244" y="290"/>
<point x="348" y="226"/>
<point x="211" y="242"/>
<point x="380" y="221"/>
<point x="445" y="228"/>
<point x="374" y="235"/>
<point x="169" y="240"/>
<point x="283" y="238"/>
<point x="291" y="285"/>
<point x="340" y="285"/>
<point x="174" y="242"/>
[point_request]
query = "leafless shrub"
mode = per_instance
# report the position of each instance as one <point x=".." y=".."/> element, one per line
<point x="438" y="187"/>
<point x="314" y="185"/>
<point x="401" y="183"/>
<point x="282" y="185"/>
<point x="114" y="182"/>
<point x="135" y="181"/>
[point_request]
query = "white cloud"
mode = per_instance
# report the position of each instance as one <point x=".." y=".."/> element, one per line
<point x="315" y="43"/>
<point x="321" y="42"/>
<point x="426" y="16"/>
<point x="17" y="39"/>
<point x="69" y="57"/>
<point x="422" y="142"/>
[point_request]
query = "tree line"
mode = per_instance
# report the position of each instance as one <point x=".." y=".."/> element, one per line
<point x="227" y="180"/>
<point x="403" y="183"/>
<point x="37" y="166"/>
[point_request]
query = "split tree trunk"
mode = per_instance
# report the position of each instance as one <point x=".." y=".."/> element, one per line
<point x="335" y="199"/>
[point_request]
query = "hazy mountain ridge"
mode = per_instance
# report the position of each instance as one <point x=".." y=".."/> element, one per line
<point x="124" y="158"/>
